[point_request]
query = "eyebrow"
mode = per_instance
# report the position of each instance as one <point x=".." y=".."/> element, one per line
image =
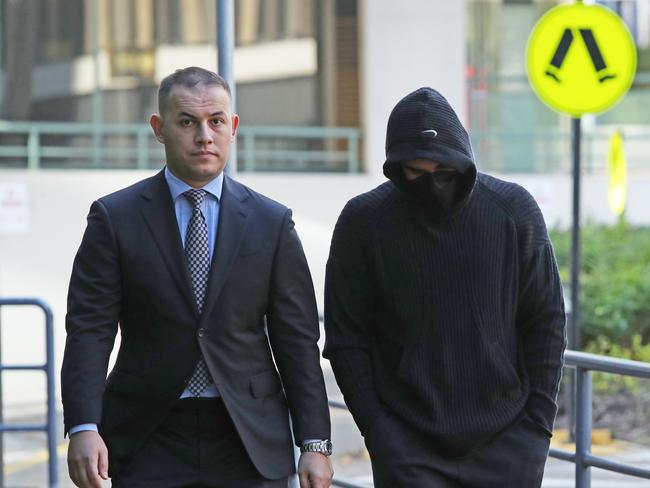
<point x="192" y="116"/>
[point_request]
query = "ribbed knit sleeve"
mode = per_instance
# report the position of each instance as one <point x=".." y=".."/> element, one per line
<point x="348" y="317"/>
<point x="540" y="313"/>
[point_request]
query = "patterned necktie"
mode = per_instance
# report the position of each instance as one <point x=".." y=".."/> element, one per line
<point x="197" y="252"/>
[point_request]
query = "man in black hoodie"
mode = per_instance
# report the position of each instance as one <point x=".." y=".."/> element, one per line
<point x="444" y="315"/>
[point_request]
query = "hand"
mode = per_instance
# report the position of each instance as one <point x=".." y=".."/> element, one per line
<point x="87" y="459"/>
<point x="314" y="470"/>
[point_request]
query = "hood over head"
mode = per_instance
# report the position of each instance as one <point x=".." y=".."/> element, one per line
<point x="423" y="125"/>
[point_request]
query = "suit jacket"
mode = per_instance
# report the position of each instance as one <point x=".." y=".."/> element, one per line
<point x="258" y="331"/>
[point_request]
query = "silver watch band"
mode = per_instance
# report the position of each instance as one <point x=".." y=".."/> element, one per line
<point x="323" y="447"/>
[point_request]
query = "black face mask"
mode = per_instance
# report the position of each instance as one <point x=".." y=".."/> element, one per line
<point x="435" y="192"/>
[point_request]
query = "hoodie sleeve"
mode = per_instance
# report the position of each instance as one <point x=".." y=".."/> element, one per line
<point x="540" y="315"/>
<point x="349" y="308"/>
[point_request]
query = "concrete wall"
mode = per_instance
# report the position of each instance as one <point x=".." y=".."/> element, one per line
<point x="36" y="258"/>
<point x="406" y="45"/>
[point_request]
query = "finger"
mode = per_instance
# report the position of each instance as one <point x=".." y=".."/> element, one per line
<point x="324" y="478"/>
<point x="94" y="481"/>
<point x="304" y="480"/>
<point x="318" y="482"/>
<point x="77" y="473"/>
<point x="103" y="463"/>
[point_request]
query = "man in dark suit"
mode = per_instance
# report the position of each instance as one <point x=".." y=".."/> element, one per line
<point x="209" y="284"/>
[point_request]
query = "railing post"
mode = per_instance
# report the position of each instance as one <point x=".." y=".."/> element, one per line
<point x="33" y="149"/>
<point x="143" y="149"/>
<point x="97" y="146"/>
<point x="583" y="426"/>
<point x="353" y="153"/>
<point x="51" y="408"/>
<point x="249" y="149"/>
<point x="50" y="426"/>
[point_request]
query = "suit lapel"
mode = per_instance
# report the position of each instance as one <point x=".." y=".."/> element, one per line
<point x="160" y="216"/>
<point x="233" y="219"/>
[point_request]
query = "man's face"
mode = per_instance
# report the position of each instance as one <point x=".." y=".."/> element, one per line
<point x="418" y="167"/>
<point x="197" y="127"/>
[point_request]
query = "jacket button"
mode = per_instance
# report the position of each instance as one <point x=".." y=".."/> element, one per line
<point x="201" y="332"/>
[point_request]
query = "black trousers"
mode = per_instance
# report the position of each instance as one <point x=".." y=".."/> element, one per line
<point x="196" y="446"/>
<point x="405" y="458"/>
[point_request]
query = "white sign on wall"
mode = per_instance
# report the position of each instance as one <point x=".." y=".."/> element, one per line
<point x="14" y="208"/>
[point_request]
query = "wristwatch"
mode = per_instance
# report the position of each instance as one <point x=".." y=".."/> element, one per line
<point x="324" y="447"/>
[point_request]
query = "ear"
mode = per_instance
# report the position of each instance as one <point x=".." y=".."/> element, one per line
<point x="235" y="124"/>
<point x="156" y="122"/>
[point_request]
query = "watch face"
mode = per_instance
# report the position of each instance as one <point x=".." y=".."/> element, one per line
<point x="328" y="448"/>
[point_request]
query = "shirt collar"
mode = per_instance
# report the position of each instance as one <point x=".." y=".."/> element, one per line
<point x="177" y="186"/>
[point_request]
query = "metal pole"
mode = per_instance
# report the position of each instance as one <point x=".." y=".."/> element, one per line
<point x="574" y="316"/>
<point x="225" y="49"/>
<point x="574" y="331"/>
<point x="583" y="427"/>
<point x="2" y="420"/>
<point x="51" y="408"/>
<point x="3" y="43"/>
<point x="50" y="426"/>
<point x="97" y="102"/>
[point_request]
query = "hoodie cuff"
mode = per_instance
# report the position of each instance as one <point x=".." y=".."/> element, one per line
<point x="542" y="411"/>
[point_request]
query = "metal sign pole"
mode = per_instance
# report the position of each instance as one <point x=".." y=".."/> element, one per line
<point x="574" y="316"/>
<point x="574" y="330"/>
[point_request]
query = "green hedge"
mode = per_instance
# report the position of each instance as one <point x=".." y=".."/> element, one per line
<point x="615" y="286"/>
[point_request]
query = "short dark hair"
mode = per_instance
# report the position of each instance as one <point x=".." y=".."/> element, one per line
<point x="189" y="78"/>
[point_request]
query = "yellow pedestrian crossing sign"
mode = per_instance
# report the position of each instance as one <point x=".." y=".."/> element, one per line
<point x="580" y="59"/>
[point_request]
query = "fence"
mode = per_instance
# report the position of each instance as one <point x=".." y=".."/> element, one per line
<point x="549" y="150"/>
<point x="48" y="367"/>
<point x="39" y="145"/>
<point x="584" y="364"/>
<point x="43" y="145"/>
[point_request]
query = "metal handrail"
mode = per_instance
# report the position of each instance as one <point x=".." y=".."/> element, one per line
<point x="544" y="150"/>
<point x="584" y="363"/>
<point x="337" y="148"/>
<point x="607" y="364"/>
<point x="50" y="426"/>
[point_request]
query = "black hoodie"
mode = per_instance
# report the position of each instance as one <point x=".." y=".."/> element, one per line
<point x="456" y="329"/>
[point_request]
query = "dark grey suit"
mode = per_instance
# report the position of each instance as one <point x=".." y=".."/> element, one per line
<point x="131" y="270"/>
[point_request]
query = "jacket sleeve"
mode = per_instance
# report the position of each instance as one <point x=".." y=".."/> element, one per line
<point x="540" y="317"/>
<point x="349" y="312"/>
<point x="293" y="334"/>
<point x="94" y="298"/>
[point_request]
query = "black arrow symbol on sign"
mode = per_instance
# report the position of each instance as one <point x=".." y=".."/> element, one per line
<point x="595" y="55"/>
<point x="560" y="53"/>
<point x="592" y="48"/>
